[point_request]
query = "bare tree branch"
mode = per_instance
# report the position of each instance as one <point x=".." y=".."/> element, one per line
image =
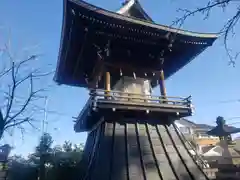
<point x="17" y="77"/>
<point x="205" y="10"/>
<point x="24" y="105"/>
<point x="17" y="122"/>
<point x="228" y="27"/>
<point x="10" y="103"/>
<point x="17" y="65"/>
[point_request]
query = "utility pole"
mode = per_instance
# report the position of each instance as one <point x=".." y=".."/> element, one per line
<point x="44" y="120"/>
<point x="42" y="154"/>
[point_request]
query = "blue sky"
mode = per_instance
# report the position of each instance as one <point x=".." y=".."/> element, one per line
<point x="208" y="78"/>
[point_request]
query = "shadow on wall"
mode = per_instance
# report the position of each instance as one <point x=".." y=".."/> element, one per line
<point x="135" y="152"/>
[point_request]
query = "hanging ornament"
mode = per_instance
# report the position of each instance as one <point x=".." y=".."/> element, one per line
<point x="121" y="72"/>
<point x="73" y="12"/>
<point x="145" y="74"/>
<point x="107" y="53"/>
<point x="162" y="53"/>
<point x="134" y="75"/>
<point x="153" y="74"/>
<point x="107" y="49"/>
<point x="99" y="78"/>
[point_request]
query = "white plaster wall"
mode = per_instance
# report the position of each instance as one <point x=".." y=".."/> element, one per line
<point x="132" y="85"/>
<point x="211" y="152"/>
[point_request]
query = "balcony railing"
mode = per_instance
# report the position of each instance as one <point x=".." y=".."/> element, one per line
<point x="143" y="107"/>
<point x="120" y="96"/>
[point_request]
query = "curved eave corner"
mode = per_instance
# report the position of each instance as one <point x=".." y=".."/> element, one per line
<point x="77" y="124"/>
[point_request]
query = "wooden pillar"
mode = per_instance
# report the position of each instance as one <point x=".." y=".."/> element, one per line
<point x="107" y="83"/>
<point x="162" y="85"/>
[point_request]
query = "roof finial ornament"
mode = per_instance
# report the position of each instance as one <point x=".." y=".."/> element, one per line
<point x="125" y="2"/>
<point x="220" y="121"/>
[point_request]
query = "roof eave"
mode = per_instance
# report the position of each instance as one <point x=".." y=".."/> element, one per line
<point x="56" y="75"/>
<point x="170" y="29"/>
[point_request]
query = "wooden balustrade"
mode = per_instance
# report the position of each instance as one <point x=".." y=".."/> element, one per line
<point x="104" y="103"/>
<point x="125" y="96"/>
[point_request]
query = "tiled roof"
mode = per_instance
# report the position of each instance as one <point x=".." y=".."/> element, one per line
<point x="87" y="28"/>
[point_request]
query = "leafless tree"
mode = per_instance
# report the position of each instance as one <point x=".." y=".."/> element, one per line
<point x="20" y="89"/>
<point x="228" y="26"/>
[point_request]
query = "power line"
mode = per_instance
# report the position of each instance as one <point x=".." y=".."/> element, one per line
<point x="230" y="101"/>
<point x="232" y="118"/>
<point x="234" y="123"/>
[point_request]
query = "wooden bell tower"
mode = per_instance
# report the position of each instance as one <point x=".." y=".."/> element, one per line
<point x="119" y="59"/>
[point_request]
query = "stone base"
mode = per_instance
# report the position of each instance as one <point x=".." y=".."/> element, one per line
<point x="3" y="175"/>
<point x="137" y="152"/>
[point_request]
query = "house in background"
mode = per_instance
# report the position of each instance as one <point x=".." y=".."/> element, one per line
<point x="206" y="145"/>
<point x="212" y="153"/>
<point x="197" y="133"/>
<point x="202" y="138"/>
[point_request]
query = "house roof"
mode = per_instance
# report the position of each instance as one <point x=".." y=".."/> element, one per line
<point x="203" y="126"/>
<point x="208" y="150"/>
<point x="186" y="122"/>
<point x="193" y="125"/>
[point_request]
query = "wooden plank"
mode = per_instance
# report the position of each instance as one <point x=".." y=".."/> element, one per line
<point x="134" y="96"/>
<point x="96" y="92"/>
<point x="134" y="108"/>
<point x="144" y="104"/>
